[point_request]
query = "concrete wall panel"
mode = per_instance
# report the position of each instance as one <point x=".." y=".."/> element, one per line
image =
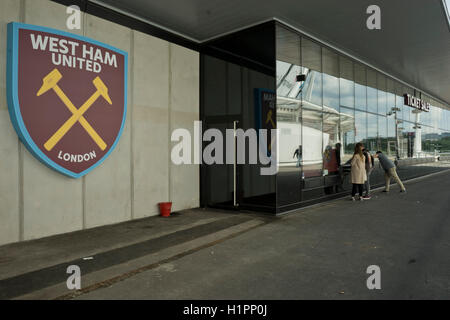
<point x="184" y="103"/>
<point x="150" y="118"/>
<point x="9" y="163"/>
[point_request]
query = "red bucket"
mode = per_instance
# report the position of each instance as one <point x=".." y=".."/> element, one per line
<point x="164" y="208"/>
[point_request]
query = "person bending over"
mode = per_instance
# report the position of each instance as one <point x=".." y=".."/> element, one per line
<point x="389" y="171"/>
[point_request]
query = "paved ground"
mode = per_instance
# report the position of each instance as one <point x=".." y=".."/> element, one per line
<point x="319" y="253"/>
<point x="37" y="269"/>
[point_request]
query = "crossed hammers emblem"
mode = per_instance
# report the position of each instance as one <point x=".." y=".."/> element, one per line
<point x="269" y="118"/>
<point x="50" y="81"/>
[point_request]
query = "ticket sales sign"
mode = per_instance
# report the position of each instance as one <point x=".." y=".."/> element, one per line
<point x="417" y="103"/>
<point x="66" y="95"/>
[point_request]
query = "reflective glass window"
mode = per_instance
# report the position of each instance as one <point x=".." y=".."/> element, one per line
<point x="382" y="95"/>
<point x="312" y="141"/>
<point x="360" y="87"/>
<point x="312" y="68"/>
<point x="372" y="132"/>
<point x="405" y="139"/>
<point x="330" y="70"/>
<point x="372" y="92"/>
<point x="382" y="133"/>
<point x="288" y="99"/>
<point x="346" y="82"/>
<point x="390" y="95"/>
<point x="312" y="109"/>
<point x="360" y="126"/>
<point x="391" y="136"/>
<point x="347" y="127"/>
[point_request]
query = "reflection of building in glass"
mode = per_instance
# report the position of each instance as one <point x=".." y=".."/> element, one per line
<point x="327" y="102"/>
<point x="289" y="114"/>
<point x="343" y="101"/>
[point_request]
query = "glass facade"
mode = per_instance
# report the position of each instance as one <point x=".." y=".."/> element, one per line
<point x="326" y="102"/>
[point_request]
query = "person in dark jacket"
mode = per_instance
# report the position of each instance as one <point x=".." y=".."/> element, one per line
<point x="298" y="154"/>
<point x="338" y="154"/>
<point x="389" y="171"/>
<point x="369" y="164"/>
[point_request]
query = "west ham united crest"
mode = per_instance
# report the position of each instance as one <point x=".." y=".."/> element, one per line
<point x="66" y="96"/>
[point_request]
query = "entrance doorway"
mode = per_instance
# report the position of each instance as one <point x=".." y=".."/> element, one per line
<point x="229" y="102"/>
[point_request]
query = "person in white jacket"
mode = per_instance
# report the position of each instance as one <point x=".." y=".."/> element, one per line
<point x="358" y="173"/>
